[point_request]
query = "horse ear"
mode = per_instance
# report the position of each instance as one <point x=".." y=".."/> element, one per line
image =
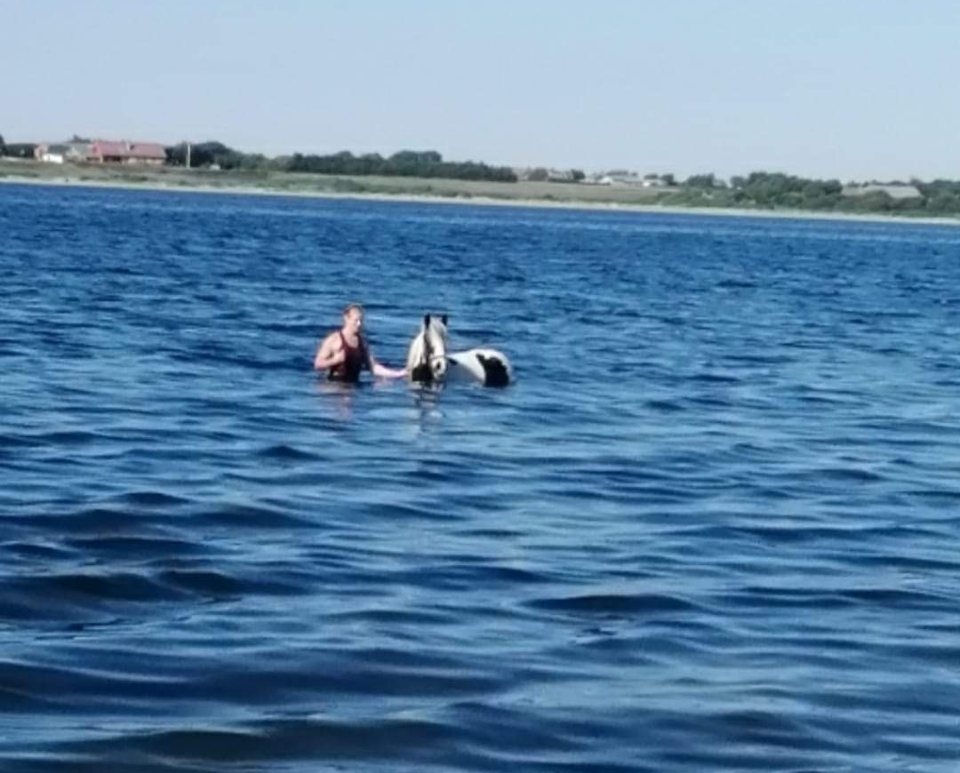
<point x="426" y="320"/>
<point x="443" y="319"/>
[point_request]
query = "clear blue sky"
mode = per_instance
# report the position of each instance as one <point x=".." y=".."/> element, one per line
<point x="855" y="89"/>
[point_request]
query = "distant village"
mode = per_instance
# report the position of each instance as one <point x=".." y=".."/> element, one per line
<point x="628" y="179"/>
<point x="101" y="152"/>
<point x="155" y="154"/>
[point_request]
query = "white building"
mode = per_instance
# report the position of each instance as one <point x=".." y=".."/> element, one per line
<point x="893" y="191"/>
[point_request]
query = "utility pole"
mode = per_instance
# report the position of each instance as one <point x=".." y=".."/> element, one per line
<point x="188" y="154"/>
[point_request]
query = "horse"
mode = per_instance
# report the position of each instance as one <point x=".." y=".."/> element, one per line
<point x="427" y="353"/>
<point x="428" y="361"/>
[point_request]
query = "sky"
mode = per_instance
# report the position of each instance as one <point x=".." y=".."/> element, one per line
<point x="846" y="89"/>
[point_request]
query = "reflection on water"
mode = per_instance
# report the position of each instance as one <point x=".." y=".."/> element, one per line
<point x="427" y="407"/>
<point x="341" y="396"/>
<point x="340" y="400"/>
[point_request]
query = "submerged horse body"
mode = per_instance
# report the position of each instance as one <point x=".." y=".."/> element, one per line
<point x="429" y="362"/>
<point x="487" y="366"/>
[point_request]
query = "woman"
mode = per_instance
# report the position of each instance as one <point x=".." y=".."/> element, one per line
<point x="344" y="353"/>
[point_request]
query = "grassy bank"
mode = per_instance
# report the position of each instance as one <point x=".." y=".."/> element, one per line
<point x="526" y="193"/>
<point x="318" y="184"/>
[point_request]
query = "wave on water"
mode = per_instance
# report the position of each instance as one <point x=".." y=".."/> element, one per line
<point x="711" y="526"/>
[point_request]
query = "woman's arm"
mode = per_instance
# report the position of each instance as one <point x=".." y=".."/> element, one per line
<point x="328" y="355"/>
<point x="382" y="371"/>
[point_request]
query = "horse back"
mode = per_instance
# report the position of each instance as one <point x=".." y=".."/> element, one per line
<point x="487" y="366"/>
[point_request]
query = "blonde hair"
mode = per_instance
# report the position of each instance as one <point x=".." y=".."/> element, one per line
<point x="352" y="307"/>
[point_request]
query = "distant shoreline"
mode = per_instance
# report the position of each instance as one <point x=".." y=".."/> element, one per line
<point x="227" y="186"/>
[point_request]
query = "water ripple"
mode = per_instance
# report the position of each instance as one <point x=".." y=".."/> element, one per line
<point x="710" y="527"/>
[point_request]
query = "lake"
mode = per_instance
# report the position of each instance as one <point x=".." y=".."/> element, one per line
<point x="713" y="526"/>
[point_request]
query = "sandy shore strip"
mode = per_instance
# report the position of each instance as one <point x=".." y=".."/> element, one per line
<point x="477" y="200"/>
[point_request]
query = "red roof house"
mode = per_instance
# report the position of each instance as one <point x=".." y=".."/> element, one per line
<point x="107" y="152"/>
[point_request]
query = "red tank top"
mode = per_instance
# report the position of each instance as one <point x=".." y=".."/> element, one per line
<point x="356" y="360"/>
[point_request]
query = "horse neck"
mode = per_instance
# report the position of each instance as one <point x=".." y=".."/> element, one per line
<point x="417" y="354"/>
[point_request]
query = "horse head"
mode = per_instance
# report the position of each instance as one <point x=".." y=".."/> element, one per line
<point x="427" y="355"/>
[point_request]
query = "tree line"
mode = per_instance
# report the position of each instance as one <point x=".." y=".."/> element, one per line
<point x="16" y="149"/>
<point x="776" y="190"/>
<point x="405" y="163"/>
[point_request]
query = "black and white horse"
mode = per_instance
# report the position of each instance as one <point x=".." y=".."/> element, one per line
<point x="427" y="353"/>
<point x="429" y="360"/>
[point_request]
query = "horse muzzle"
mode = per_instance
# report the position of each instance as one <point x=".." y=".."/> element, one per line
<point x="438" y="366"/>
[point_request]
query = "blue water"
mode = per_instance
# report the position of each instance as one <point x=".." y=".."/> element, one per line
<point x="714" y="525"/>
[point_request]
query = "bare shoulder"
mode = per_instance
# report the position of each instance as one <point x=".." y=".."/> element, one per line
<point x="331" y="341"/>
